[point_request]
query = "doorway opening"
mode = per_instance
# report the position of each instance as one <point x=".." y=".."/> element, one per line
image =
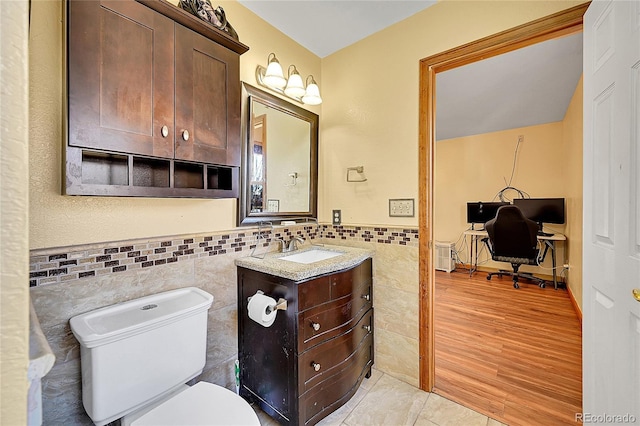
<point x="560" y="24"/>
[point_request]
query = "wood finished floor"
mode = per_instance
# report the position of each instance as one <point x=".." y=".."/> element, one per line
<point x="514" y="355"/>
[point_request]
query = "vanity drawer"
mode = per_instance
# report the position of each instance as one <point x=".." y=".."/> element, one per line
<point x="343" y="283"/>
<point x="314" y="292"/>
<point x="332" y="319"/>
<point x="330" y="394"/>
<point x="325" y="289"/>
<point x="323" y="361"/>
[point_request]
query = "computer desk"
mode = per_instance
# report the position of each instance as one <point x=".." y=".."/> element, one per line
<point x="549" y="242"/>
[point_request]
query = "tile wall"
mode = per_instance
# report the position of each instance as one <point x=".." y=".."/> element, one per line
<point x="71" y="280"/>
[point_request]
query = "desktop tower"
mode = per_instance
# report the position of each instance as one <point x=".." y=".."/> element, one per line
<point x="444" y="256"/>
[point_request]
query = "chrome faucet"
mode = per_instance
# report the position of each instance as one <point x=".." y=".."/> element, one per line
<point x="291" y="245"/>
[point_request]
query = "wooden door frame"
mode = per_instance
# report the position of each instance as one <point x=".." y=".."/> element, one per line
<point x="563" y="23"/>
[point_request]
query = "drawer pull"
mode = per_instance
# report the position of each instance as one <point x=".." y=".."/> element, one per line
<point x="366" y="297"/>
<point x="164" y="131"/>
<point x="185" y="135"/>
<point x="315" y="365"/>
<point x="367" y="327"/>
<point x="315" y="326"/>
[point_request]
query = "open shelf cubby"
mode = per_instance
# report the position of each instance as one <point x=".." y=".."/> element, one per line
<point x="220" y="178"/>
<point x="188" y="175"/>
<point x="100" y="168"/>
<point x="151" y="172"/>
<point x="91" y="172"/>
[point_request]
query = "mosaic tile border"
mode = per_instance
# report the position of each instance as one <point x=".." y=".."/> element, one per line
<point x="381" y="235"/>
<point x="57" y="265"/>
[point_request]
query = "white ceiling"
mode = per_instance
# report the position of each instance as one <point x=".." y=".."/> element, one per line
<point x="525" y="87"/>
<point x="326" y="26"/>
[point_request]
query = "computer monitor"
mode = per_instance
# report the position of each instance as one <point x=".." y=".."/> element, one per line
<point x="482" y="212"/>
<point x="542" y="210"/>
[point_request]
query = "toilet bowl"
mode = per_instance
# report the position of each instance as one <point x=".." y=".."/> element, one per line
<point x="137" y="356"/>
<point x="201" y="404"/>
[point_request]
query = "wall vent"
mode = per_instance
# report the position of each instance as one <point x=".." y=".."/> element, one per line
<point x="444" y="256"/>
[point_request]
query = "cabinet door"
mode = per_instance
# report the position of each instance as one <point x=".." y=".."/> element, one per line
<point x="120" y="78"/>
<point x="207" y="100"/>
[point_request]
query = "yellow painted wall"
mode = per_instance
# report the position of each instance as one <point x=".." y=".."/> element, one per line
<point x="572" y="159"/>
<point x="370" y="108"/>
<point x="57" y="220"/>
<point x="14" y="175"/>
<point x="369" y="117"/>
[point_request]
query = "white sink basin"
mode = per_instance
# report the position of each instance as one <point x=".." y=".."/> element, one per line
<point x="311" y="256"/>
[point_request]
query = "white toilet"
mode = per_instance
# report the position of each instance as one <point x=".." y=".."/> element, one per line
<point x="137" y="356"/>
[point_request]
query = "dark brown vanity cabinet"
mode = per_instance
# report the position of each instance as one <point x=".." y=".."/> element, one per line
<point x="154" y="102"/>
<point x="312" y="359"/>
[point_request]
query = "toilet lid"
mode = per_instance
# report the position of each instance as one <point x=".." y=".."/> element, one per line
<point x="202" y="404"/>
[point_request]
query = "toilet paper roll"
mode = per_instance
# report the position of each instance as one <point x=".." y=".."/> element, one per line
<point x="262" y="309"/>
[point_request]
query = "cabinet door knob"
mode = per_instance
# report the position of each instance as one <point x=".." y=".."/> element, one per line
<point x="185" y="135"/>
<point x="315" y="326"/>
<point x="366" y="297"/>
<point x="315" y="365"/>
<point x="367" y="327"/>
<point x="164" y="131"/>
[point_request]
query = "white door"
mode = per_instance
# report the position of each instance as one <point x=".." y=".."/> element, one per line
<point x="611" y="247"/>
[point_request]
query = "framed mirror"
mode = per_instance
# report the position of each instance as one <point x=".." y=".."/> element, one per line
<point x="280" y="159"/>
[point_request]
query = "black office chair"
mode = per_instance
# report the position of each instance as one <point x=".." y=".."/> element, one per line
<point x="513" y="239"/>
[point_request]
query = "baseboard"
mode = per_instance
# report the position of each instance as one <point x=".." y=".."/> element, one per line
<point x="574" y="302"/>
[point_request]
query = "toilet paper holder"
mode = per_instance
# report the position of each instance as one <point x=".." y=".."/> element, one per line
<point x="281" y="304"/>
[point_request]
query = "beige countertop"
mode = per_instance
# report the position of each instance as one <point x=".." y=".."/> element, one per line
<point x="273" y="264"/>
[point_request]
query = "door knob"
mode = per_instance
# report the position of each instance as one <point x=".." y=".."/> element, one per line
<point x="636" y="294"/>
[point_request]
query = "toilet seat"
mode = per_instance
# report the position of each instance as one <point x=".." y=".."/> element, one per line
<point x="203" y="404"/>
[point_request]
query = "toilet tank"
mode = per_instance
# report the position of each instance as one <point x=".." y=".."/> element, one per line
<point x="132" y="353"/>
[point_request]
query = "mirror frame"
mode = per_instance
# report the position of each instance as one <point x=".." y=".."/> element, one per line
<point x="245" y="216"/>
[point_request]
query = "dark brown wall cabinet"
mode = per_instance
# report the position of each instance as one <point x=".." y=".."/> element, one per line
<point x="312" y="359"/>
<point x="154" y="102"/>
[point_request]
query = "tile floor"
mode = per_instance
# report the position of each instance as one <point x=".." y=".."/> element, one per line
<point x="384" y="400"/>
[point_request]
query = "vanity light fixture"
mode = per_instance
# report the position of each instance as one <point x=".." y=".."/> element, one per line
<point x="292" y="87"/>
